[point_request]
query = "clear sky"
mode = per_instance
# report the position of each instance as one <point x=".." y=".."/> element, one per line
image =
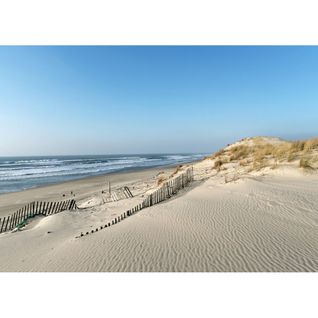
<point x="103" y="100"/>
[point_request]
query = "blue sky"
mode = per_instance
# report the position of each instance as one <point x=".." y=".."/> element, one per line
<point x="103" y="100"/>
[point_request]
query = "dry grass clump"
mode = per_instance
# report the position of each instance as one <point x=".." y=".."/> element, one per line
<point x="297" y="146"/>
<point x="259" y="163"/>
<point x="218" y="153"/>
<point x="217" y="164"/>
<point x="304" y="163"/>
<point x="179" y="168"/>
<point x="239" y="152"/>
<point x="228" y="178"/>
<point x="244" y="162"/>
<point x="160" y="180"/>
<point x="311" y="144"/>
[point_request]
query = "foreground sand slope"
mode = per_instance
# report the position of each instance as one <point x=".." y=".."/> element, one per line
<point x="253" y="207"/>
<point x="254" y="224"/>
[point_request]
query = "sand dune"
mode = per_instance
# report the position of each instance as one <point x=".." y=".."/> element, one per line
<point x="262" y="220"/>
<point x="256" y="224"/>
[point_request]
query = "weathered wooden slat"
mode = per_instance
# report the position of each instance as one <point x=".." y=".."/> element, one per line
<point x="43" y="208"/>
<point x="49" y="206"/>
<point x="57" y="208"/>
<point x="40" y="208"/>
<point x="72" y="204"/>
<point x="19" y="217"/>
<point x="15" y="219"/>
<point x="28" y="211"/>
<point x="2" y="225"/>
<point x="53" y="208"/>
<point x="32" y="209"/>
<point x="11" y="222"/>
<point x="7" y="223"/>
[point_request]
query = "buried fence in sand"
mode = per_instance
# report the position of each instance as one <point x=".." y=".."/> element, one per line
<point x="166" y="191"/>
<point x="19" y="218"/>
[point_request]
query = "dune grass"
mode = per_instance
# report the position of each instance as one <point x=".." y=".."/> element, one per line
<point x="262" y="153"/>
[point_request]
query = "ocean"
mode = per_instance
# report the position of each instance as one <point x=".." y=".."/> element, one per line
<point x="20" y="173"/>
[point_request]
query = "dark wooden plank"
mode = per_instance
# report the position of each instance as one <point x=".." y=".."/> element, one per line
<point x="33" y="209"/>
<point x="53" y="208"/>
<point x="43" y="208"/>
<point x="11" y="221"/>
<point x="65" y="206"/>
<point x="15" y="218"/>
<point x="57" y="209"/>
<point x="28" y="210"/>
<point x="3" y="222"/>
<point x="7" y="223"/>
<point x="19" y="217"/>
<point x="40" y="208"/>
<point x="48" y="210"/>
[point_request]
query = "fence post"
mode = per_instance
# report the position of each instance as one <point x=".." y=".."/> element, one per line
<point x="3" y="221"/>
<point x="8" y="219"/>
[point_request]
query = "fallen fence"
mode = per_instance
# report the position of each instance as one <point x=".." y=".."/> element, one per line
<point x="166" y="191"/>
<point x="33" y="209"/>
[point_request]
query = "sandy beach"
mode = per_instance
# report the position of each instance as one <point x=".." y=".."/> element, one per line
<point x="262" y="220"/>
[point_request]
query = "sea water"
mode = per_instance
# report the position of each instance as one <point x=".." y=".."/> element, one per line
<point x="19" y="173"/>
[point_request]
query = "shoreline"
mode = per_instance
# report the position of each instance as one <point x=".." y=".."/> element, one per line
<point x="82" y="187"/>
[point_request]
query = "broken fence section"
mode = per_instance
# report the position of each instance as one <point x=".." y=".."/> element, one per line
<point x="166" y="191"/>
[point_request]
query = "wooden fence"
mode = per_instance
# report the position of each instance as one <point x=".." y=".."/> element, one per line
<point x="166" y="191"/>
<point x="10" y="222"/>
